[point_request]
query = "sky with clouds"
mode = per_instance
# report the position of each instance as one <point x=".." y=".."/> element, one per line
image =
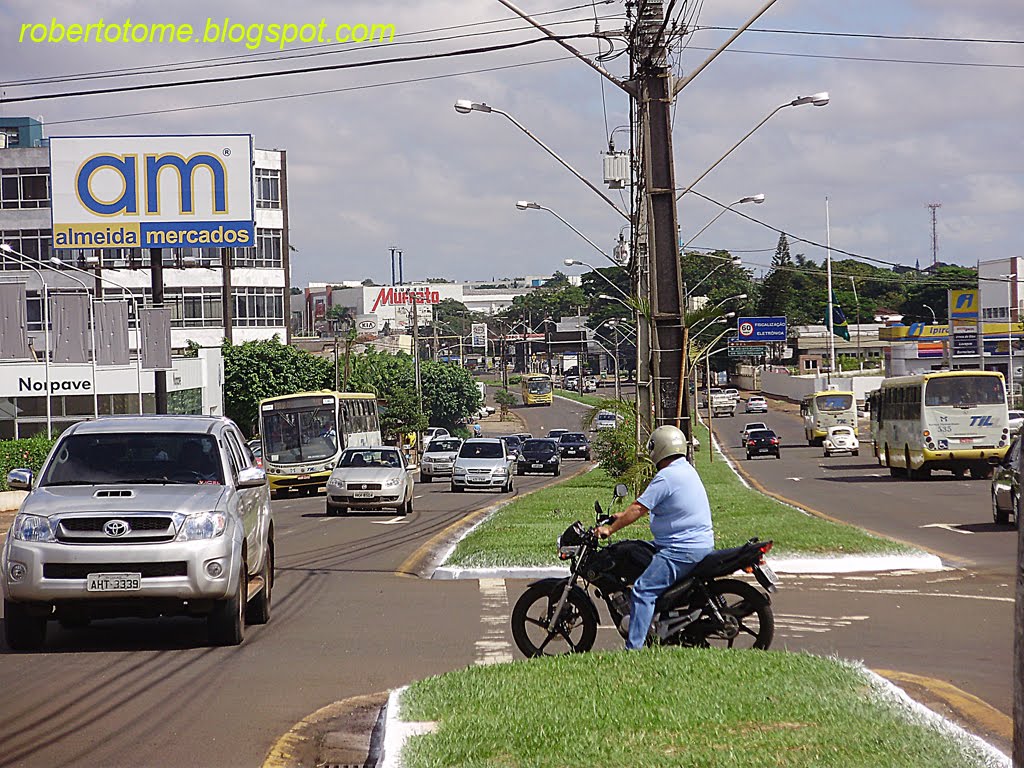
<point x="377" y="162"/>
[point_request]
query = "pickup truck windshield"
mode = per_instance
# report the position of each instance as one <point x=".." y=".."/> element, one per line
<point x="135" y="459"/>
<point x="439" y="445"/>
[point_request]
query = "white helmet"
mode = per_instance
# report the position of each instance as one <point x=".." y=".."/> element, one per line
<point x="665" y="442"/>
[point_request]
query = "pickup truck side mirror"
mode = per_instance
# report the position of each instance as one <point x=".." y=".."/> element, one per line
<point x="19" y="479"/>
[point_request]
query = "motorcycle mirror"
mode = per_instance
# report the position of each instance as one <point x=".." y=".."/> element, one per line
<point x="621" y="491"/>
<point x="597" y="508"/>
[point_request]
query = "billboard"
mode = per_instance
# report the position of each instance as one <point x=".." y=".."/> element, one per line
<point x="152" y="191"/>
<point x="479" y="332"/>
<point x="963" y="305"/>
<point x="761" y="329"/>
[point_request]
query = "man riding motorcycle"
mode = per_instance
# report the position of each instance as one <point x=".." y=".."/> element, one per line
<point x="680" y="521"/>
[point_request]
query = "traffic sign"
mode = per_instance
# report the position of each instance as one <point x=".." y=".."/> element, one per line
<point x="761" y="329"/>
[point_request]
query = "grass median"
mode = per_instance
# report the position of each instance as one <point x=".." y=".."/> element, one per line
<point x="524" y="532"/>
<point x="672" y="707"/>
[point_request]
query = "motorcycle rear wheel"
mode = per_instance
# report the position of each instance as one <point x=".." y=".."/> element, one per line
<point x="750" y="622"/>
<point x="575" y="631"/>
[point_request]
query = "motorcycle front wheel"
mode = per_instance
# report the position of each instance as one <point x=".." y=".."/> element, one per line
<point x="749" y="621"/>
<point x="574" y="632"/>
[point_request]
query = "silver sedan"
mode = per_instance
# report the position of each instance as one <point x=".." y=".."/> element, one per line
<point x="371" y="478"/>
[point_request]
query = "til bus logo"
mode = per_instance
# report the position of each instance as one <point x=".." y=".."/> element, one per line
<point x="126" y="167"/>
<point x="981" y="421"/>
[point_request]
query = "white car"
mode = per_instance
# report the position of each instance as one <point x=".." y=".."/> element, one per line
<point x="439" y="458"/>
<point x="371" y="478"/>
<point x="750" y="427"/>
<point x="1016" y="421"/>
<point x="433" y="432"/>
<point x="841" y="439"/>
<point x="607" y="420"/>
<point x="756" y="404"/>
<point x="484" y="463"/>
<point x="733" y="393"/>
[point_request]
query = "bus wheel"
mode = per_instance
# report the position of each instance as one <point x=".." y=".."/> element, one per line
<point x="923" y="473"/>
<point x="980" y="472"/>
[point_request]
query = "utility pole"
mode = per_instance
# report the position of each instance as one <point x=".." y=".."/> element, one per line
<point x="156" y="276"/>
<point x="664" y="274"/>
<point x="416" y="368"/>
<point x="935" y="233"/>
<point x="583" y="349"/>
<point x="393" y="249"/>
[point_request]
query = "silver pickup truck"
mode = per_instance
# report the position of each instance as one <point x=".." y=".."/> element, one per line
<point x="140" y="516"/>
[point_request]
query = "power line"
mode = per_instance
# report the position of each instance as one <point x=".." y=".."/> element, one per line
<point x="300" y="71"/>
<point x="869" y="36"/>
<point x="365" y="86"/>
<point x="242" y="59"/>
<point x="983" y="65"/>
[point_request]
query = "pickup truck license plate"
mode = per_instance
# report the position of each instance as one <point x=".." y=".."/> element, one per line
<point x="362" y="495"/>
<point x="113" y="582"/>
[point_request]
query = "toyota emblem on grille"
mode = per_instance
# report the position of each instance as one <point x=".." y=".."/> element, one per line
<point x="115" y="528"/>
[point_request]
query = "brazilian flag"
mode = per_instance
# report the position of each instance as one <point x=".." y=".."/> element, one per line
<point x="839" y="325"/>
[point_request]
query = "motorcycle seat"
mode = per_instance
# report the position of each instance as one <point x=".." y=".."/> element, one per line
<point x="725" y="561"/>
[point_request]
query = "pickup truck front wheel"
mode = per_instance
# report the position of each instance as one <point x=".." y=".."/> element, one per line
<point x="226" y="623"/>
<point x="258" y="609"/>
<point x="22" y="630"/>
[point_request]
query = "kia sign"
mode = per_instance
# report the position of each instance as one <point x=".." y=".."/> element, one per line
<point x="761" y="329"/>
<point x="152" y="191"/>
<point x="366" y="325"/>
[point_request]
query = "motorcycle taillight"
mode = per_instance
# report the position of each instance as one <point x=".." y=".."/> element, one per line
<point x="767" y="547"/>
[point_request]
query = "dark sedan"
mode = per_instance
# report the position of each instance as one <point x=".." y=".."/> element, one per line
<point x="513" y="444"/>
<point x="540" y="455"/>
<point x="574" y="445"/>
<point x="762" y="442"/>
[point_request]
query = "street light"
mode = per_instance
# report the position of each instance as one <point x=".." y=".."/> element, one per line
<point x="756" y="199"/>
<point x="46" y="337"/>
<point x="578" y="263"/>
<point x="524" y="205"/>
<point x="817" y="99"/>
<point x="465" y="106"/>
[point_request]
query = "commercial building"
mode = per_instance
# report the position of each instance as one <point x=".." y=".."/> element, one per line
<point x="213" y="293"/>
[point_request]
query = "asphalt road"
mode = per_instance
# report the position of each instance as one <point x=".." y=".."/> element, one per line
<point x="152" y="693"/>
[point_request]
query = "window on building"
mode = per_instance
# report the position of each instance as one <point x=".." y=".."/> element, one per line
<point x="24" y="188"/>
<point x="199" y="307"/>
<point x="258" y="307"/>
<point x="34" y="243"/>
<point x="13" y="136"/>
<point x="266" y="254"/>
<point x="268" y="188"/>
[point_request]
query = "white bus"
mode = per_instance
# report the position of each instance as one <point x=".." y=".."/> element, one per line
<point x="304" y="434"/>
<point x="821" y="410"/>
<point x="951" y="420"/>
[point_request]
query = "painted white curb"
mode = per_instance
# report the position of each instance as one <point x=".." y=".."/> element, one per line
<point x="397" y="731"/>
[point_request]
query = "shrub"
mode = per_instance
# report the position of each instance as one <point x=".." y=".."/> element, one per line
<point x="17" y="454"/>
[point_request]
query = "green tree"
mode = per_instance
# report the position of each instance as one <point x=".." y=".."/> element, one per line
<point x="259" y="369"/>
<point x="450" y="394"/>
<point x="931" y="290"/>
<point x="392" y="379"/>
<point x="778" y="296"/>
<point x="505" y="401"/>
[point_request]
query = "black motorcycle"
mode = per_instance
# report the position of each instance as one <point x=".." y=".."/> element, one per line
<point x="558" y="616"/>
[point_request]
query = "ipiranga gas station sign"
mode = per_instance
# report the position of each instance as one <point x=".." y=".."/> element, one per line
<point x="152" y="191"/>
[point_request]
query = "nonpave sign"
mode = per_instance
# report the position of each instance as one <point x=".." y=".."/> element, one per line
<point x="152" y="191"/>
<point x="761" y="329"/>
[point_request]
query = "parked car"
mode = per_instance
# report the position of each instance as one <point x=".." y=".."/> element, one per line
<point x="513" y="444"/>
<point x="555" y="434"/>
<point x="439" y="458"/>
<point x="841" y="439"/>
<point x="749" y="427"/>
<point x="574" y="445"/>
<point x="733" y="393"/>
<point x="571" y="383"/>
<point x="756" y="404"/>
<point x="1006" y="487"/>
<point x="759" y="442"/>
<point x="590" y="383"/>
<point x="433" y="432"/>
<point x="540" y="454"/>
<point x="607" y="420"/>
<point x="140" y="516"/>
<point x="484" y="462"/>
<point x="1016" y="421"/>
<point x="375" y="477"/>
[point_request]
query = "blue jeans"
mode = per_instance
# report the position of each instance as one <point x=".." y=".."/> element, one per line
<point x="665" y="569"/>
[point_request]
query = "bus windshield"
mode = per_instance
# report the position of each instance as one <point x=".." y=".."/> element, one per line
<point x="965" y="391"/>
<point x="298" y="432"/>
<point x="538" y="386"/>
<point x="834" y="402"/>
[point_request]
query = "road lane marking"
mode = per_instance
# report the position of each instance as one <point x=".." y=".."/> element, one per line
<point x="794" y="479"/>
<point x="914" y="593"/>
<point x="948" y="527"/>
<point x="795" y="626"/>
<point x="392" y="521"/>
<point x="493" y="647"/>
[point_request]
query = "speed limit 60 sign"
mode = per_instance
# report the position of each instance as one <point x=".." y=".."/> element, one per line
<point x="761" y="329"/>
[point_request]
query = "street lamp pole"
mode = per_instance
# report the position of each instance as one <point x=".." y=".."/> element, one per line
<point x="45" y="314"/>
<point x="525" y="205"/>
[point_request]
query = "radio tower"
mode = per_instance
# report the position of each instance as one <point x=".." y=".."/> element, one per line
<point x="935" y="234"/>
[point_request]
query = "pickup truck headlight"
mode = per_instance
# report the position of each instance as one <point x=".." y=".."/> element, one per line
<point x="202" y="525"/>
<point x="32" y="528"/>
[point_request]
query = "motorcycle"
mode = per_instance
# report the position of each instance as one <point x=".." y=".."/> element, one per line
<point x="557" y="616"/>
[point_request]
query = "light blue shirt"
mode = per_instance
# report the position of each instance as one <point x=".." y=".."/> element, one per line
<point x="680" y="511"/>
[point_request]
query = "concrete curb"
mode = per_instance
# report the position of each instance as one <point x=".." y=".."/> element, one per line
<point x="10" y="501"/>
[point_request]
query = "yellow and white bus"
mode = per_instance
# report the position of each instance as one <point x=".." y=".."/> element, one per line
<point x="831" y="408"/>
<point x="304" y="434"/>
<point x="951" y="420"/>
<point x="537" y="389"/>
